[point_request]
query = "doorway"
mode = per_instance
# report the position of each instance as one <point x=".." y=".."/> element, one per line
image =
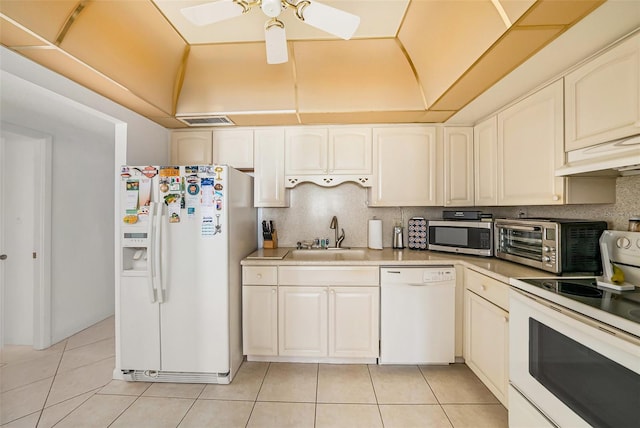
<point x="25" y="231"/>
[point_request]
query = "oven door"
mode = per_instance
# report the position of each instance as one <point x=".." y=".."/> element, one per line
<point x="575" y="371"/>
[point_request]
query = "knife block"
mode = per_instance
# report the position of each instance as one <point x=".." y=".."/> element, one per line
<point x="273" y="242"/>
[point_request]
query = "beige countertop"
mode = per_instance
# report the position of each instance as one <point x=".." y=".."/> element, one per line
<point x="499" y="269"/>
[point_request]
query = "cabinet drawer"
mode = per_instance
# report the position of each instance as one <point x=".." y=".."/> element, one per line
<point x="493" y="290"/>
<point x="259" y="275"/>
<point x="326" y="275"/>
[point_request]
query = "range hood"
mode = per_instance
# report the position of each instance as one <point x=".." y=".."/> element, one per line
<point x="618" y="157"/>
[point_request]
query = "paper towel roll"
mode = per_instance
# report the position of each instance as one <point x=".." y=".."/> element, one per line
<point x="375" y="234"/>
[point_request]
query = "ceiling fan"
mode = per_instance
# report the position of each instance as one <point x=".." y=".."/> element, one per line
<point x="329" y="19"/>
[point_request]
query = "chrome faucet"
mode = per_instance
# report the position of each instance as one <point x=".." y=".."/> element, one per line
<point x="334" y="226"/>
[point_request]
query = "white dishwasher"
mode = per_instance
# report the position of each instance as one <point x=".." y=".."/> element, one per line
<point x="417" y="315"/>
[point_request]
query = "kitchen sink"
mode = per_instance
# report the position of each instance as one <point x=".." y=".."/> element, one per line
<point x="328" y="254"/>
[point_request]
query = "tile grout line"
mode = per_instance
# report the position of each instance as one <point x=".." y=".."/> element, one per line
<point x="255" y="400"/>
<point x="373" y="386"/>
<point x="55" y="374"/>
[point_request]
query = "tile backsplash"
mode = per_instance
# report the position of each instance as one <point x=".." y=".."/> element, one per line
<point x="312" y="208"/>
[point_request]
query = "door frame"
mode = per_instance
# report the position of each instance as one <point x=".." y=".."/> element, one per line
<point x="42" y="236"/>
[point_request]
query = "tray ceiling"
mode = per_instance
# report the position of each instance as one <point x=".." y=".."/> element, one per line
<point x="409" y="60"/>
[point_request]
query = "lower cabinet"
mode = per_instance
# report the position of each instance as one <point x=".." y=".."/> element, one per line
<point x="260" y="319"/>
<point x="486" y="332"/>
<point x="303" y="317"/>
<point x="337" y="322"/>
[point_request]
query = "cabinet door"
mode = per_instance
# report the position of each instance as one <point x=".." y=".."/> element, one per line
<point x="302" y="316"/>
<point x="260" y="320"/>
<point x="306" y="151"/>
<point x="353" y="322"/>
<point x="530" y="148"/>
<point x="405" y="167"/>
<point x="268" y="183"/>
<point x="458" y="167"/>
<point x="487" y="343"/>
<point x="191" y="148"/>
<point x="485" y="162"/>
<point x="233" y="147"/>
<point x="602" y="98"/>
<point x="350" y="151"/>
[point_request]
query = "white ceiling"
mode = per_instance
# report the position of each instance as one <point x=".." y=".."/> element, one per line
<point x="377" y="19"/>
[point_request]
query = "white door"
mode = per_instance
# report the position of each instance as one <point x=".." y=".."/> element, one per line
<point x="21" y="269"/>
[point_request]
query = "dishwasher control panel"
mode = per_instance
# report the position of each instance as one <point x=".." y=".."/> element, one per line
<point x="439" y="275"/>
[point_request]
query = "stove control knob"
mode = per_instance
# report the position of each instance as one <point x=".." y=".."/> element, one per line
<point x="546" y="249"/>
<point x="546" y="259"/>
<point x="623" y="242"/>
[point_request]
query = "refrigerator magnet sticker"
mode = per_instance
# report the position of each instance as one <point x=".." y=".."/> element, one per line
<point x="190" y="169"/>
<point x="169" y="171"/>
<point x="173" y="202"/>
<point x="218" y="170"/>
<point x="192" y="196"/>
<point x="144" y="196"/>
<point x="149" y="171"/>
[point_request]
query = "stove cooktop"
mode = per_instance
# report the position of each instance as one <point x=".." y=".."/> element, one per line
<point x="624" y="304"/>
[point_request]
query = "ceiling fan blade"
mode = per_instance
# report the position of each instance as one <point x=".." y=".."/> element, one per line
<point x="326" y="18"/>
<point x="276" y="42"/>
<point x="208" y="13"/>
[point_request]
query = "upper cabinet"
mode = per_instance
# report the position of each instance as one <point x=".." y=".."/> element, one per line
<point x="268" y="185"/>
<point x="406" y="171"/>
<point x="328" y="156"/>
<point x="530" y="135"/>
<point x="602" y="97"/>
<point x="458" y="167"/>
<point x="191" y="148"/>
<point x="233" y="147"/>
<point x="485" y="162"/>
<point x="228" y="147"/>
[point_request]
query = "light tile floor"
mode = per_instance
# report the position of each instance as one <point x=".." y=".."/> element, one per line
<point x="70" y="385"/>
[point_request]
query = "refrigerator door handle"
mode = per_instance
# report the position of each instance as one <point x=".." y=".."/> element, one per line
<point x="150" y="258"/>
<point x="157" y="253"/>
<point x="162" y="286"/>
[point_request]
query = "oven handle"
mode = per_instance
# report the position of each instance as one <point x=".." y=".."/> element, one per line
<point x="629" y="338"/>
<point x="523" y="228"/>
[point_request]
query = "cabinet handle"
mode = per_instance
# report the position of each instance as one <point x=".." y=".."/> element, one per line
<point x="556" y="198"/>
<point x="506" y="319"/>
<point x="259" y="276"/>
<point x="483" y="287"/>
<point x="273" y="291"/>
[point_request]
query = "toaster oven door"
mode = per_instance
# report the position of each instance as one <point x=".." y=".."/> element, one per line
<point x="522" y="244"/>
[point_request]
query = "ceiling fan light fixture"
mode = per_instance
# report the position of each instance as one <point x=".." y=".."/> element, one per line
<point x="329" y="19"/>
<point x="276" y="42"/>
<point x="271" y="8"/>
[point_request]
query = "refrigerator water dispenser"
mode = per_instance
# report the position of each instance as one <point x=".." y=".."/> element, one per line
<point x="134" y="253"/>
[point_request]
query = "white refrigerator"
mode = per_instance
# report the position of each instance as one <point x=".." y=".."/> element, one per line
<point x="182" y="233"/>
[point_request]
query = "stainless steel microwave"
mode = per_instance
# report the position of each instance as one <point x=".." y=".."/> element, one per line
<point x="462" y="237"/>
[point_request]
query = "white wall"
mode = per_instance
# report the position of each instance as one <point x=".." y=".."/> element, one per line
<point x="83" y="128"/>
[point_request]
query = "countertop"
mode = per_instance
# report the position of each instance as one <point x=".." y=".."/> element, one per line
<point x="499" y="269"/>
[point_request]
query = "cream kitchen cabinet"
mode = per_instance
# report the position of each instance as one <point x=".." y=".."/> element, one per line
<point x="302" y="321"/>
<point x="486" y="331"/>
<point x="268" y="186"/>
<point x="328" y="312"/>
<point x="530" y="135"/>
<point x="485" y="162"/>
<point x="259" y="310"/>
<point x="233" y="147"/>
<point x="191" y="148"/>
<point x="602" y="97"/>
<point x="328" y="156"/>
<point x="458" y="167"/>
<point x="406" y="167"/>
